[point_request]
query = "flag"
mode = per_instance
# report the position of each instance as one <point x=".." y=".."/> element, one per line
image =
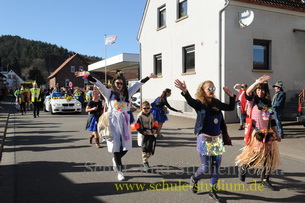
<point x="110" y="40"/>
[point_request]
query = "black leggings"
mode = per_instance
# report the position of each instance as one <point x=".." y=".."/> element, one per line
<point x="118" y="159"/>
<point x="22" y="107"/>
<point x="264" y="173"/>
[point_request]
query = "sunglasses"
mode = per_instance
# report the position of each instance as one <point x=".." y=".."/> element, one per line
<point x="212" y="88"/>
<point x="146" y="108"/>
<point x="119" y="83"/>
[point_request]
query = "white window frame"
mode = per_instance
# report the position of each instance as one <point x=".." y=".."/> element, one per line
<point x="179" y="3"/>
<point x="157" y="69"/>
<point x="72" y="69"/>
<point x="186" y="51"/>
<point x="162" y="10"/>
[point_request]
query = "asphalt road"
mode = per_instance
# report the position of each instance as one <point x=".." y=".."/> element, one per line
<point x="49" y="159"/>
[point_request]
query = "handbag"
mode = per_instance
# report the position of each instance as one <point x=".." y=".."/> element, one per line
<point x="248" y="129"/>
<point x="103" y="126"/>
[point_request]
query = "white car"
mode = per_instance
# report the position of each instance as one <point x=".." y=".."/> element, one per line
<point x="136" y="99"/>
<point x="62" y="103"/>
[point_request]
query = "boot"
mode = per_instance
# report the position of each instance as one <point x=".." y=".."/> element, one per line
<point x="194" y="184"/>
<point x="213" y="195"/>
<point x="242" y="170"/>
<point x="241" y="127"/>
<point x="97" y="142"/>
<point x="267" y="184"/>
<point x="90" y="138"/>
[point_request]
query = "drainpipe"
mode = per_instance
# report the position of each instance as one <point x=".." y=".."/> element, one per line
<point x="220" y="47"/>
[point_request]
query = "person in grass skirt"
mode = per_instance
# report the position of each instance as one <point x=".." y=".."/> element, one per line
<point x="262" y="152"/>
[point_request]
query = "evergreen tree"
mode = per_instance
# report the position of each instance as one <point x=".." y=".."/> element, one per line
<point x="36" y="75"/>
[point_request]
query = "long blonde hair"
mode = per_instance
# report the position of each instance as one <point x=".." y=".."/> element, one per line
<point x="200" y="94"/>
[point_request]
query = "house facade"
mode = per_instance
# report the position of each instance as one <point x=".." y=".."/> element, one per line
<point x="196" y="41"/>
<point x="13" y="81"/>
<point x="64" y="74"/>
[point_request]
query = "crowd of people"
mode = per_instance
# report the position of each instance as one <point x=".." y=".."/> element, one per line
<point x="254" y="102"/>
<point x="260" y="153"/>
<point x="32" y="98"/>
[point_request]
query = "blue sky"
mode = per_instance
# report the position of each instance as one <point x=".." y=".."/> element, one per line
<point x="77" y="25"/>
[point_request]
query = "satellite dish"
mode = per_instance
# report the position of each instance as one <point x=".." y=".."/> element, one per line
<point x="246" y="18"/>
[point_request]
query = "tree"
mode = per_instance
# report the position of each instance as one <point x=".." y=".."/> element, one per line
<point x="36" y="75"/>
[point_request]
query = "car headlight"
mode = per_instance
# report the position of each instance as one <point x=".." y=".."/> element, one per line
<point x="57" y="104"/>
<point x="78" y="104"/>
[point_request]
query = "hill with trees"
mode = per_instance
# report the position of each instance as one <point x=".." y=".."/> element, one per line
<point x="29" y="58"/>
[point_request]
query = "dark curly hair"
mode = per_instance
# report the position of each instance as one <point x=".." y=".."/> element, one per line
<point x="267" y="98"/>
<point x="115" y="91"/>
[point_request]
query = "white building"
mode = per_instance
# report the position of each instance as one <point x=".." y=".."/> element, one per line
<point x="200" y="40"/>
<point x="12" y="79"/>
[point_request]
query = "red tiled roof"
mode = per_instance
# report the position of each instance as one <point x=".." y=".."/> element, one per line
<point x="296" y="5"/>
<point x="64" y="64"/>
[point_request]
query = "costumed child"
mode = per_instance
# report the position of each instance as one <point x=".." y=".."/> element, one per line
<point x="146" y="128"/>
<point x="94" y="109"/>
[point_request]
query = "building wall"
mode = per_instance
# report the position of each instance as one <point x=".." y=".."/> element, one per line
<point x="199" y="29"/>
<point x="287" y="47"/>
<point x="65" y="73"/>
<point x="12" y="79"/>
<point x="52" y="82"/>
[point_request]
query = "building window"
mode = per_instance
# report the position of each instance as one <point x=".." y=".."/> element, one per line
<point x="72" y="69"/>
<point x="9" y="76"/>
<point x="158" y="64"/>
<point x="67" y="82"/>
<point x="189" y="59"/>
<point x="182" y="8"/>
<point x="162" y="16"/>
<point x="261" y="54"/>
<point x="81" y="68"/>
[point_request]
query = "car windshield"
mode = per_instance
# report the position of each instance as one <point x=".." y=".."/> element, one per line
<point x="61" y="95"/>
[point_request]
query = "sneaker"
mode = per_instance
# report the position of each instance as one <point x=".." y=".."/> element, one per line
<point x="267" y="184"/>
<point x="194" y="184"/>
<point x="121" y="176"/>
<point x="242" y="173"/>
<point x="146" y="166"/>
<point x="214" y="196"/>
<point x="159" y="136"/>
<point x="115" y="167"/>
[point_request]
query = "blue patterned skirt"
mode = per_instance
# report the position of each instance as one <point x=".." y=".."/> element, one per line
<point x="93" y="124"/>
<point x="159" y="114"/>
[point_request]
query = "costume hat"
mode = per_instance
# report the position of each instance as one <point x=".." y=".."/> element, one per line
<point x="278" y="84"/>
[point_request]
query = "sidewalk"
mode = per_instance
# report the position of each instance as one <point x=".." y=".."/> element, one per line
<point x="5" y="107"/>
<point x="8" y="160"/>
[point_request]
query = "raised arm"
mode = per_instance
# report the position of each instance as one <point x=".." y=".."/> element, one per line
<point x="196" y="104"/>
<point x="100" y="86"/>
<point x="181" y="85"/>
<point x="235" y="87"/>
<point x="262" y="79"/>
<point x="132" y="90"/>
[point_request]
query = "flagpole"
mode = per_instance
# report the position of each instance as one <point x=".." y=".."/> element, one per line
<point x="105" y="59"/>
